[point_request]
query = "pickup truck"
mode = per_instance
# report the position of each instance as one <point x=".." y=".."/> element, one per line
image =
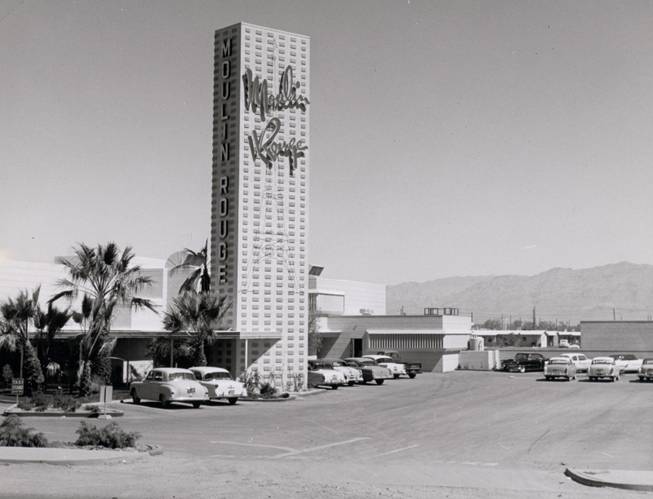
<point x="412" y="368"/>
<point x="524" y="362"/>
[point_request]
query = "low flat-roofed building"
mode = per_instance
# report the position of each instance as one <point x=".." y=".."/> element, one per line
<point x="611" y="337"/>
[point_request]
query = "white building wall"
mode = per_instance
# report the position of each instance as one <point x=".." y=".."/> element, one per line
<point x="359" y="297"/>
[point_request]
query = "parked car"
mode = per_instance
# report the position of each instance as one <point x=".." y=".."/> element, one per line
<point x="627" y="362"/>
<point x="320" y="374"/>
<point x="580" y="360"/>
<point x="167" y="384"/>
<point x="412" y="368"/>
<point x="646" y="371"/>
<point x="219" y="383"/>
<point x="371" y="371"/>
<point x="603" y="367"/>
<point x="384" y="361"/>
<point x="352" y="375"/>
<point x="560" y="367"/>
<point x="524" y="362"/>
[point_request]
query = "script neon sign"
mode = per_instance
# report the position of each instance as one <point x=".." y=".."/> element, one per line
<point x="258" y="100"/>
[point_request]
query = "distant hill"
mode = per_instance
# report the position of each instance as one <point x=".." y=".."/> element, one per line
<point x="562" y="294"/>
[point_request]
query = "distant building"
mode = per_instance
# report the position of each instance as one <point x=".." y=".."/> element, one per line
<point x="349" y="318"/>
<point x="609" y="337"/>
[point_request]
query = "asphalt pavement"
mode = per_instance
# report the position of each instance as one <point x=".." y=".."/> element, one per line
<point x="486" y="433"/>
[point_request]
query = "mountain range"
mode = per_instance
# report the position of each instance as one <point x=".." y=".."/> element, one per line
<point x="621" y="290"/>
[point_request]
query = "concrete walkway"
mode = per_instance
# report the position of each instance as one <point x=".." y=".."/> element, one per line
<point x="51" y="455"/>
<point x="620" y="479"/>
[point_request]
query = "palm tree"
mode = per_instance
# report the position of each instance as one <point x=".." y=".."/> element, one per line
<point x="200" y="278"/>
<point x="48" y="324"/>
<point x="104" y="278"/>
<point x="197" y="315"/>
<point x="16" y="317"/>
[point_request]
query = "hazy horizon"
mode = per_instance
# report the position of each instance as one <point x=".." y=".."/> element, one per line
<point x="448" y="138"/>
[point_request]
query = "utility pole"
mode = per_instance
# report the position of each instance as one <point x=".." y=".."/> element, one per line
<point x="534" y="323"/>
<point x="614" y="314"/>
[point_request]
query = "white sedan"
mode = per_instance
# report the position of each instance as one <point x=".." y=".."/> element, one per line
<point x="384" y="361"/>
<point x="167" y="384"/>
<point x="219" y="383"/>
<point x="627" y="362"/>
<point x="603" y="367"/>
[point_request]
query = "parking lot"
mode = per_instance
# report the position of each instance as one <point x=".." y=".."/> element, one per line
<point x="462" y="432"/>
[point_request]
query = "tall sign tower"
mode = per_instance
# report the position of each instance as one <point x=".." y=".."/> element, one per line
<point x="259" y="210"/>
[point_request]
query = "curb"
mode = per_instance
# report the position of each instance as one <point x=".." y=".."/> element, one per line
<point x="127" y="457"/>
<point x="311" y="392"/>
<point x="593" y="479"/>
<point x="10" y="411"/>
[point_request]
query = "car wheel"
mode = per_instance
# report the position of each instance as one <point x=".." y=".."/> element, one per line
<point x="522" y="369"/>
<point x="351" y="383"/>
<point x="412" y="375"/>
<point x="334" y="387"/>
<point x="196" y="405"/>
<point x="135" y="398"/>
<point x="395" y="376"/>
<point x="164" y="401"/>
<point x="379" y="381"/>
<point x="232" y="400"/>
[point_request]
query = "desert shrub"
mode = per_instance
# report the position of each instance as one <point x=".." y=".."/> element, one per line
<point x="13" y="434"/>
<point x="267" y="390"/>
<point x="41" y="401"/>
<point x="111" y="436"/>
<point x="67" y="403"/>
<point x="25" y="404"/>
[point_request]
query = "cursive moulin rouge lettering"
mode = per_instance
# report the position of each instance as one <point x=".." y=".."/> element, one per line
<point x="264" y="147"/>
<point x="258" y="100"/>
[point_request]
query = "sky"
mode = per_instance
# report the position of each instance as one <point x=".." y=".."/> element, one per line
<point x="447" y="137"/>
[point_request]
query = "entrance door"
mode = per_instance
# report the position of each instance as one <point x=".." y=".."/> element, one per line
<point x="357" y="347"/>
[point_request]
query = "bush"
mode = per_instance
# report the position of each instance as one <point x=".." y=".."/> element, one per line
<point x="13" y="434"/>
<point x="67" y="403"/>
<point x="111" y="436"/>
<point x="267" y="390"/>
<point x="41" y="401"/>
<point x="25" y="404"/>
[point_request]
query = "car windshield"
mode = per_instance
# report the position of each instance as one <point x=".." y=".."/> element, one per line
<point x="648" y="361"/>
<point x="601" y="361"/>
<point x="559" y="361"/>
<point x="384" y="359"/>
<point x="217" y="375"/>
<point x="369" y="362"/>
<point x="174" y="376"/>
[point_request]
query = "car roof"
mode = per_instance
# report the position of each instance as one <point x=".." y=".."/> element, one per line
<point x="560" y="358"/>
<point x="603" y="358"/>
<point x="358" y="359"/>
<point x="371" y="356"/>
<point x="170" y="370"/>
<point x="208" y="369"/>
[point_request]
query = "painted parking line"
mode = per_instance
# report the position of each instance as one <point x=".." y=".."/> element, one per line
<point x="319" y="447"/>
<point x="395" y="451"/>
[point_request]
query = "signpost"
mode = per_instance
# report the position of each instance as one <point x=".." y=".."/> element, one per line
<point x="106" y="396"/>
<point x="17" y="387"/>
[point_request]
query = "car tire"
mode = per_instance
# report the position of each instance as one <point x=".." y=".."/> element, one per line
<point x="135" y="398"/>
<point x="196" y="405"/>
<point x="521" y="369"/>
<point x="412" y="375"/>
<point x="379" y="381"/>
<point x="395" y="376"/>
<point x="351" y="383"/>
<point x="232" y="400"/>
<point x="334" y="387"/>
<point x="164" y="401"/>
